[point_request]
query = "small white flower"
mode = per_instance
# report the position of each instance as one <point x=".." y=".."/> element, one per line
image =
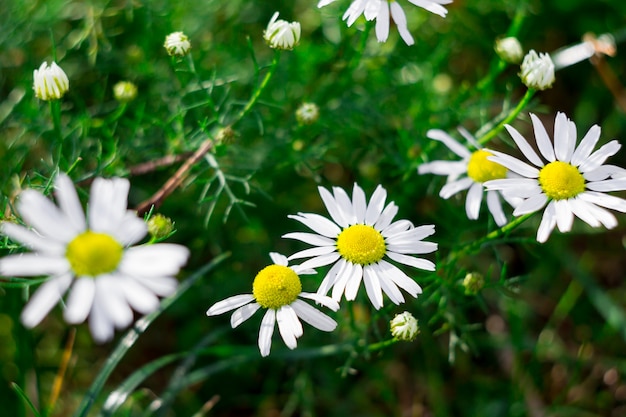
<point x="358" y="239"/>
<point x="537" y="71"/>
<point x="177" y="44"/>
<point x="124" y="91"/>
<point x="509" y="49"/>
<point x="281" y="34"/>
<point x="572" y="182"/>
<point x="91" y="257"/>
<point x="50" y="82"/>
<point x="469" y="173"/>
<point x="277" y="288"/>
<point x="404" y="327"/>
<point x="383" y="11"/>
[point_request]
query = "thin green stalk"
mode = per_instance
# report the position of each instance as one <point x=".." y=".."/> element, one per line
<point x="477" y="244"/>
<point x="260" y="88"/>
<point x="509" y="118"/>
<point x="55" y="112"/>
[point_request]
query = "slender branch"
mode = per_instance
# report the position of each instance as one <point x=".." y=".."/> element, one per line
<point x="147" y="167"/>
<point x="174" y="182"/>
<point x="510" y="117"/>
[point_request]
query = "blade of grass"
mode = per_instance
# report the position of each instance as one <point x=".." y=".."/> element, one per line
<point x="129" y="339"/>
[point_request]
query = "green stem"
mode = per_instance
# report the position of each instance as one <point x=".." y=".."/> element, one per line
<point x="477" y="244"/>
<point x="510" y="117"/>
<point x="259" y="89"/>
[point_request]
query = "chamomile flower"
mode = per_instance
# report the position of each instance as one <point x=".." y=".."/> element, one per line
<point x="383" y="11"/>
<point x="468" y="174"/>
<point x="568" y="181"/>
<point x="277" y="288"/>
<point x="91" y="257"/>
<point x="357" y="241"/>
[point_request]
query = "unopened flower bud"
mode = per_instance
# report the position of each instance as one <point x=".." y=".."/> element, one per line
<point x="177" y="44"/>
<point x="307" y="113"/>
<point x="50" y="82"/>
<point x="160" y="226"/>
<point x="124" y="91"/>
<point x="281" y="34"/>
<point x="225" y="136"/>
<point x="537" y="71"/>
<point x="404" y="327"/>
<point x="473" y="283"/>
<point x="509" y="50"/>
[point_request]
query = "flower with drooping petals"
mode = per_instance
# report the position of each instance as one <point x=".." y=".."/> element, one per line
<point x="91" y="257"/>
<point x="357" y="241"/>
<point x="567" y="180"/>
<point x="50" y="82"/>
<point x="281" y="34"/>
<point x="277" y="288"/>
<point x="509" y="49"/>
<point x="404" y="327"/>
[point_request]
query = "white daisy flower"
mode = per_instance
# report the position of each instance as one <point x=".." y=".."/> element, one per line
<point x="468" y="174"/>
<point x="357" y="240"/>
<point x="50" y="82"/>
<point x="384" y="10"/>
<point x="277" y="288"/>
<point x="91" y="258"/>
<point x="568" y="181"/>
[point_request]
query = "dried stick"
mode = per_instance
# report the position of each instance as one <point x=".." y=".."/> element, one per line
<point x="174" y="182"/>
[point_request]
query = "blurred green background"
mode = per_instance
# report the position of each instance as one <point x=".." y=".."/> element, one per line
<point x="545" y="337"/>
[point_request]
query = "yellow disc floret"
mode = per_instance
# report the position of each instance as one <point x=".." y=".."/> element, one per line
<point x="276" y="286"/>
<point x="560" y="180"/>
<point x="92" y="254"/>
<point x="480" y="169"/>
<point x="361" y="244"/>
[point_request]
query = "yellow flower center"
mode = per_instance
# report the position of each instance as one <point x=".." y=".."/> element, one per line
<point x="276" y="286"/>
<point x="560" y="180"/>
<point x="92" y="254"/>
<point x="361" y="244"/>
<point x="480" y="169"/>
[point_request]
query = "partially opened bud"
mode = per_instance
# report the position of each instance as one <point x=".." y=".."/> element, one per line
<point x="177" y="44"/>
<point x="281" y="34"/>
<point x="509" y="50"/>
<point x="50" y="82"/>
<point x="404" y="327"/>
<point x="537" y="71"/>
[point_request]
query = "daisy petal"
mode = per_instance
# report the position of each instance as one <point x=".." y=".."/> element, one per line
<point x="242" y="314"/>
<point x="33" y="264"/>
<point x="265" y="332"/>
<point x="372" y="287"/>
<point x="548" y="221"/>
<point x="375" y="206"/>
<point x="42" y="301"/>
<point x="318" y="223"/>
<point x="69" y="203"/>
<point x="411" y="261"/>
<point x="32" y="240"/>
<point x="229" y="304"/>
<point x="321" y="299"/>
<point x="310" y="238"/>
<point x="287" y="327"/>
<point x="449" y="141"/>
<point x="543" y="140"/>
<point x="495" y="208"/>
<point x="473" y="200"/>
<point x="313" y="316"/>
<point x="80" y="300"/>
<point x="524" y="146"/>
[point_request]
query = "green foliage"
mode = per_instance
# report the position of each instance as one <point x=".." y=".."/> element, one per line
<point x="212" y="142"/>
